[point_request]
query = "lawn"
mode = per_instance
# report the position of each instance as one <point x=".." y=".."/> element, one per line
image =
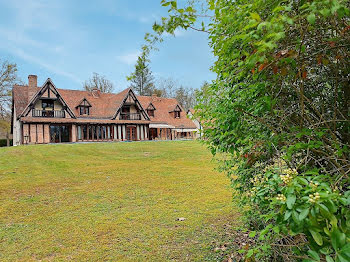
<point x="112" y="202"/>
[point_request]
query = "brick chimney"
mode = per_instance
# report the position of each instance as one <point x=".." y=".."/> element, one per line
<point x="32" y="81"/>
<point x="95" y="92"/>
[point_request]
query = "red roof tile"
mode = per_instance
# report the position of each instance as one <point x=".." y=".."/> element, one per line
<point x="162" y="114"/>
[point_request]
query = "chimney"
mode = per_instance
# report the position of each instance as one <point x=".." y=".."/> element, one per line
<point x="32" y="81"/>
<point x="95" y="92"/>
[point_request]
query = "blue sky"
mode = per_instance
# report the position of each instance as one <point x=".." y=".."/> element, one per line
<point x="68" y="40"/>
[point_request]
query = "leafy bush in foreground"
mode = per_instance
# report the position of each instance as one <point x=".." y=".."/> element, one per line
<point x="279" y="112"/>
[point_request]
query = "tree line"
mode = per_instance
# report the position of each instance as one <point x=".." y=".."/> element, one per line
<point x="144" y="83"/>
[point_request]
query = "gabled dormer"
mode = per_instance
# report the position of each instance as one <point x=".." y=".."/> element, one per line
<point x="47" y="102"/>
<point x="130" y="108"/>
<point x="84" y="107"/>
<point x="176" y="111"/>
<point x="150" y="110"/>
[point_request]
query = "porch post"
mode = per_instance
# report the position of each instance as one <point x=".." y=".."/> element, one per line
<point x="142" y="132"/>
<point x="74" y="133"/>
<point x="124" y="132"/>
<point x="115" y="132"/>
<point x="138" y="132"/>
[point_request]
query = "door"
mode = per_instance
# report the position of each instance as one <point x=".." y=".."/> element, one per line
<point x="59" y="134"/>
<point x="152" y="133"/>
<point x="131" y="133"/>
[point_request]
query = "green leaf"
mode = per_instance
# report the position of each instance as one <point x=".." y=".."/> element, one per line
<point x="317" y="237"/>
<point x="337" y="239"/>
<point x="329" y="259"/>
<point x="341" y="258"/>
<point x="250" y="253"/>
<point x="291" y="201"/>
<point x="311" y="18"/>
<point x="303" y="181"/>
<point x="255" y="16"/>
<point x="252" y="234"/>
<point x="287" y="215"/>
<point x="345" y="251"/>
<point x="276" y="229"/>
<point x="303" y="213"/>
<point x="174" y="4"/>
<point x="314" y="255"/>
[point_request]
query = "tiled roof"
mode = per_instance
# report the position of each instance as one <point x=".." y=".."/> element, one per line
<point x="162" y="115"/>
<point x="80" y="120"/>
<point x="103" y="107"/>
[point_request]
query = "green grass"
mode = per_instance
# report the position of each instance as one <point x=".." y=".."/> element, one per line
<point x="112" y="202"/>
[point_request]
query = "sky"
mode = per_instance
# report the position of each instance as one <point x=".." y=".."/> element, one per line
<point x="68" y="40"/>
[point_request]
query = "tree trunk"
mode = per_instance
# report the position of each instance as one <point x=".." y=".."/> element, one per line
<point x="7" y="138"/>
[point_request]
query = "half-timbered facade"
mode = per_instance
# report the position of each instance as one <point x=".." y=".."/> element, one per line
<point x="47" y="114"/>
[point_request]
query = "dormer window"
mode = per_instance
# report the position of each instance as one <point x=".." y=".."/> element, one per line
<point x="150" y="110"/>
<point x="84" y="110"/>
<point x="177" y="111"/>
<point x="47" y="104"/>
<point x="84" y="107"/>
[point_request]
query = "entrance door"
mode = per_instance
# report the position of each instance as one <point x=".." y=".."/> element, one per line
<point x="59" y="134"/>
<point x="131" y="133"/>
<point x="152" y="133"/>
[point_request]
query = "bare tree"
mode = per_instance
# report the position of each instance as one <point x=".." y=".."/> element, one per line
<point x="8" y="77"/>
<point x="99" y="82"/>
<point x="171" y="88"/>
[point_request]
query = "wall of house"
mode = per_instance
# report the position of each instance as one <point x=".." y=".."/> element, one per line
<point x="40" y="133"/>
<point x="38" y="105"/>
<point x="57" y="105"/>
<point x="16" y="129"/>
<point x="133" y="109"/>
<point x="35" y="134"/>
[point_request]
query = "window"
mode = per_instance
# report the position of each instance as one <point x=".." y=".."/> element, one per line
<point x="177" y="114"/>
<point x="47" y="104"/>
<point x="150" y="112"/>
<point x="79" y="132"/>
<point x="84" y="110"/>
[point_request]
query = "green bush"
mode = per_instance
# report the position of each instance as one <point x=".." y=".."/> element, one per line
<point x="3" y="142"/>
<point x="278" y="116"/>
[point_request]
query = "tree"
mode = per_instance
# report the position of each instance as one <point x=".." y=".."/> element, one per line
<point x="185" y="96"/>
<point x="8" y="77"/>
<point x="279" y="111"/>
<point x="142" y="80"/>
<point x="171" y="88"/>
<point x="5" y="126"/>
<point x="99" y="82"/>
<point x="167" y="86"/>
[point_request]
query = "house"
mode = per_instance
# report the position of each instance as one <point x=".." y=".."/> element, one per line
<point x="190" y="113"/>
<point x="47" y="114"/>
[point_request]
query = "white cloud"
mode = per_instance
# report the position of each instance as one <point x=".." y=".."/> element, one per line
<point x="129" y="58"/>
<point x="35" y="60"/>
<point x="20" y="39"/>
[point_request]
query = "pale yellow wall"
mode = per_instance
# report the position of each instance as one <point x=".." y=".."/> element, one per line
<point x="58" y="105"/>
<point x="38" y="105"/>
<point x="133" y="109"/>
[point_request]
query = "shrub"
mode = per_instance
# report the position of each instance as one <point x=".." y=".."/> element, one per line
<point x="279" y="112"/>
<point x="3" y="142"/>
